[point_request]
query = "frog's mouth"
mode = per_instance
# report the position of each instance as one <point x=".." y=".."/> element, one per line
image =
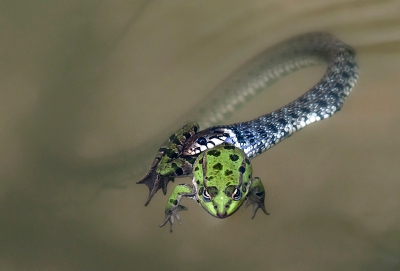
<point x="222" y="215"/>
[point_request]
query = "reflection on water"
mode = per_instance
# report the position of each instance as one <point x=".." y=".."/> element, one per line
<point x="85" y="85"/>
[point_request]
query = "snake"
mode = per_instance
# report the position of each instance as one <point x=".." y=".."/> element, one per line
<point x="320" y="102"/>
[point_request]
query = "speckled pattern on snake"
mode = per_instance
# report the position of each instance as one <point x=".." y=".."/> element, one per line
<point x="258" y="135"/>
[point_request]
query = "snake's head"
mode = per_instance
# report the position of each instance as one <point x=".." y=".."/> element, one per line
<point x="206" y="139"/>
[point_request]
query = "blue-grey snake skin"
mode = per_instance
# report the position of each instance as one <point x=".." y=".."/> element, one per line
<point x="320" y="102"/>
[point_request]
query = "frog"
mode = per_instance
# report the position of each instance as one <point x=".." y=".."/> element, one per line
<point x="222" y="181"/>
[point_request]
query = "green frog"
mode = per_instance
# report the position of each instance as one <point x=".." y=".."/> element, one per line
<point x="222" y="176"/>
<point x="222" y="181"/>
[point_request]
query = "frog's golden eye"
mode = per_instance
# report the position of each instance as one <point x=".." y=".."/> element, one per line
<point x="206" y="196"/>
<point x="237" y="194"/>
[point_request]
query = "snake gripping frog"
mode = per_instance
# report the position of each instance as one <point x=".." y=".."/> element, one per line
<point x="222" y="177"/>
<point x="209" y="152"/>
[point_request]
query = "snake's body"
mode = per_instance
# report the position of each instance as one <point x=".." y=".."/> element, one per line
<point x="320" y="102"/>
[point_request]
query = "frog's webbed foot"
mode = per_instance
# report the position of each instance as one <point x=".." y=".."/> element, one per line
<point x="168" y="163"/>
<point x="256" y="205"/>
<point x="155" y="182"/>
<point x="256" y="197"/>
<point x="172" y="214"/>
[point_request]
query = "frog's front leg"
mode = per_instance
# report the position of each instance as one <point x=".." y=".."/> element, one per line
<point x="256" y="196"/>
<point x="173" y="206"/>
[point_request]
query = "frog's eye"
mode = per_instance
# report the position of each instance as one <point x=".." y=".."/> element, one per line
<point x="237" y="194"/>
<point x="201" y="141"/>
<point x="206" y="196"/>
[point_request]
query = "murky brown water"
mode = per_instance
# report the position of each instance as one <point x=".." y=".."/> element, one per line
<point x="85" y="84"/>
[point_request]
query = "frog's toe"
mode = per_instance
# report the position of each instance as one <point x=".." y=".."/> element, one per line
<point x="154" y="182"/>
<point x="172" y="215"/>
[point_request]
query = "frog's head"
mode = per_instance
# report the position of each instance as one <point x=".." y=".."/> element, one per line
<point x="222" y="177"/>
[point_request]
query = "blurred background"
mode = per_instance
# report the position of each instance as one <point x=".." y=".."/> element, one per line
<point x="90" y="89"/>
